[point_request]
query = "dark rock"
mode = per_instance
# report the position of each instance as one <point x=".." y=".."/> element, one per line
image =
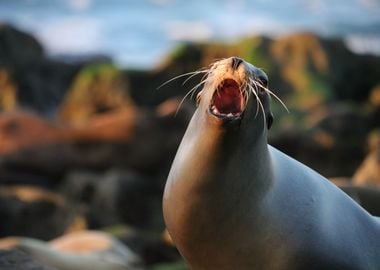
<point x="80" y="250"/>
<point x="368" y="198"/>
<point x="122" y="196"/>
<point x="33" y="212"/>
<point x="150" y="246"/>
<point x="352" y="76"/>
<point x="18" y="49"/>
<point x="329" y="144"/>
<point x="146" y="144"/>
<point x="41" y="82"/>
<point x="15" y="259"/>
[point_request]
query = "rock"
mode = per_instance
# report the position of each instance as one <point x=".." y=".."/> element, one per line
<point x="150" y="245"/>
<point x="8" y="95"/>
<point x="123" y="196"/>
<point x="128" y="138"/>
<point x="96" y="89"/>
<point x="34" y="212"/>
<point x="41" y="83"/>
<point x="325" y="140"/>
<point x="84" y="250"/>
<point x="19" y="130"/>
<point x="368" y="172"/>
<point x="16" y="259"/>
<point x="367" y="197"/>
<point x="18" y="49"/>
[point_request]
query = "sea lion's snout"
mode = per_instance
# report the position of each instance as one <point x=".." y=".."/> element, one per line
<point x="230" y="86"/>
<point x="230" y="80"/>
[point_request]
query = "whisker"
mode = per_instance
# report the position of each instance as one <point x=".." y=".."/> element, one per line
<point x="261" y="106"/>
<point x="191" y="91"/>
<point x="257" y="99"/>
<point x="202" y="70"/>
<point x="180" y="76"/>
<point x="274" y="95"/>
<point x="245" y="92"/>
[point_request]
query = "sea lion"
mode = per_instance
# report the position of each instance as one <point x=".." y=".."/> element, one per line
<point x="232" y="201"/>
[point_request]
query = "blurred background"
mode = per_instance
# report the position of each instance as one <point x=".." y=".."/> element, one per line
<point x="87" y="140"/>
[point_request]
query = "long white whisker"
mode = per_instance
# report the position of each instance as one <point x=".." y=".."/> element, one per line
<point x="271" y="94"/>
<point x="257" y="99"/>
<point x="192" y="90"/>
<point x="204" y="70"/>
<point x="260" y="104"/>
<point x="180" y="76"/>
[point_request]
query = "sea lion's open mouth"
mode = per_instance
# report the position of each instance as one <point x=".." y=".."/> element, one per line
<point x="227" y="101"/>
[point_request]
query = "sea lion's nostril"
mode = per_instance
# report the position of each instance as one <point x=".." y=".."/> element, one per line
<point x="236" y="61"/>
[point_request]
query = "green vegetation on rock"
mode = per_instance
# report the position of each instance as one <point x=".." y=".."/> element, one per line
<point x="96" y="88"/>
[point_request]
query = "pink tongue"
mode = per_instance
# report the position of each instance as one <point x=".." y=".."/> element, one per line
<point x="227" y="99"/>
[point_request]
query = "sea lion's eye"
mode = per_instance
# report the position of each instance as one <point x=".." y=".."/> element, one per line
<point x="263" y="81"/>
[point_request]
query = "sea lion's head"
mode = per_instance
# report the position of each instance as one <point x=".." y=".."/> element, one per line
<point x="235" y="93"/>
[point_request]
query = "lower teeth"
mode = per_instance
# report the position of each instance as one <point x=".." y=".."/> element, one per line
<point x="216" y="112"/>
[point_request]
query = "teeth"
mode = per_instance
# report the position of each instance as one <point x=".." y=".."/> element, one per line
<point x="216" y="112"/>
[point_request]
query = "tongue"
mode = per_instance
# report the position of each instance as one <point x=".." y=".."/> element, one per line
<point x="227" y="99"/>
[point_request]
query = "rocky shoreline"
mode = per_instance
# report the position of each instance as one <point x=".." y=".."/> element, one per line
<point x="87" y="146"/>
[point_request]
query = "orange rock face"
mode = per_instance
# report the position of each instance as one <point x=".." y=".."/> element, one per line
<point x="20" y="130"/>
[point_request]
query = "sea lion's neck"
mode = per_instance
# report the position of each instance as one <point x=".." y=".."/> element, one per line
<point x="210" y="152"/>
<point x="204" y="187"/>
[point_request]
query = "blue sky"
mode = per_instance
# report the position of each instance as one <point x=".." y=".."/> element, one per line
<point x="140" y="33"/>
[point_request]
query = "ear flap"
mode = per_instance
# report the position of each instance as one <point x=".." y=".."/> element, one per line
<point x="269" y="120"/>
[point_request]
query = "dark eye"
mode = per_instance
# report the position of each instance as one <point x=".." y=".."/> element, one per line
<point x="263" y="81"/>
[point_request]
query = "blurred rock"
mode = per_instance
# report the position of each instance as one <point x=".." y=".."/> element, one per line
<point x="304" y="68"/>
<point x="19" y="130"/>
<point x="16" y="259"/>
<point x="328" y="142"/>
<point x="123" y="196"/>
<point x="41" y="83"/>
<point x="149" y="245"/>
<point x="33" y="212"/>
<point x="96" y="89"/>
<point x="8" y="95"/>
<point x="367" y="197"/>
<point x="33" y="150"/>
<point x="368" y="172"/>
<point x="84" y="250"/>
<point x="18" y="49"/>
